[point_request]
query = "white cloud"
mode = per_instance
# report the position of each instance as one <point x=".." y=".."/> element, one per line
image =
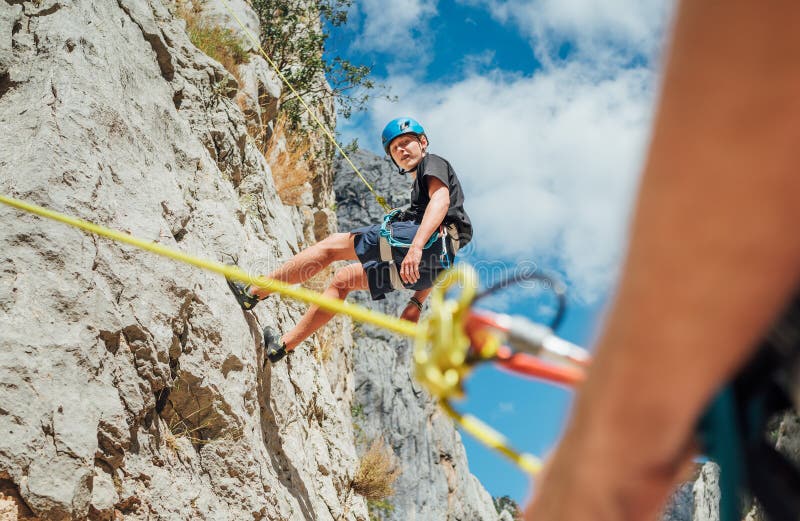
<point x="549" y="160"/>
<point x="613" y="28"/>
<point x="395" y="26"/>
<point x="475" y="63"/>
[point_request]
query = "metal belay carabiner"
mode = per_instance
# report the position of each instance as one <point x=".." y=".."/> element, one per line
<point x="444" y="257"/>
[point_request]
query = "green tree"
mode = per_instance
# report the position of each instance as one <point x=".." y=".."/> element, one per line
<point x="294" y="33"/>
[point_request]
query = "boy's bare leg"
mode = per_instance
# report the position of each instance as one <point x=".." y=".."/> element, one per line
<point x="312" y="260"/>
<point x="347" y="279"/>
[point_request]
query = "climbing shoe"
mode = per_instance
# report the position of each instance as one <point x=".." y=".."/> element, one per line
<point x="243" y="296"/>
<point x="273" y="347"/>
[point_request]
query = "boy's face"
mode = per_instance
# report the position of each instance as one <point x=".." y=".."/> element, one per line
<point x="408" y="150"/>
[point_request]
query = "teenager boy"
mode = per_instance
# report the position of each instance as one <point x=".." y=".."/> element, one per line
<point x="406" y="256"/>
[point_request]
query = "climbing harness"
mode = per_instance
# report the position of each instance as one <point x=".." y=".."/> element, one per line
<point x="447" y="344"/>
<point x="386" y="232"/>
<point x="381" y="200"/>
<point x="386" y="241"/>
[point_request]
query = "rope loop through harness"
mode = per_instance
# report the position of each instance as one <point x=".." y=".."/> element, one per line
<point x="386" y="232"/>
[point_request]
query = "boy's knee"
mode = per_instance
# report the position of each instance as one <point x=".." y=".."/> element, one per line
<point x="340" y="278"/>
<point x="343" y="280"/>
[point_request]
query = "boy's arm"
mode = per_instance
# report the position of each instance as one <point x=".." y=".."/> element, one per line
<point x="435" y="213"/>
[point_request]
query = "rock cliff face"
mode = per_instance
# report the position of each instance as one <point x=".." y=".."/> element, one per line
<point x="703" y="505"/>
<point x="131" y="386"/>
<point x="436" y="482"/>
<point x="680" y="505"/>
<point x="706" y="494"/>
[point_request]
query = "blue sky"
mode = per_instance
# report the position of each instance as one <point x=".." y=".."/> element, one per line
<point x="543" y="107"/>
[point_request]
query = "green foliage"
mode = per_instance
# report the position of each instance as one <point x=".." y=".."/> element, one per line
<point x="505" y="503"/>
<point x="219" y="43"/>
<point x="357" y="411"/>
<point x="351" y="147"/>
<point x="294" y="39"/>
<point x="379" y="509"/>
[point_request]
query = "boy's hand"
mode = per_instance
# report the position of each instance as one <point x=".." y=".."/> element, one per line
<point x="409" y="269"/>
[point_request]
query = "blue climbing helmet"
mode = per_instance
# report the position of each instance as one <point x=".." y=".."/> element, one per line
<point x="398" y="127"/>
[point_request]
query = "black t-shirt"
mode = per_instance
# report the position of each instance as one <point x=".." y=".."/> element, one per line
<point x="435" y="166"/>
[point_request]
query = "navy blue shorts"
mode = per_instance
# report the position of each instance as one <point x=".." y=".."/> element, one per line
<point x="367" y="248"/>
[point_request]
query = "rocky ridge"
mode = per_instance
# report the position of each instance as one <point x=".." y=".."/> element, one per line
<point x="131" y="386"/>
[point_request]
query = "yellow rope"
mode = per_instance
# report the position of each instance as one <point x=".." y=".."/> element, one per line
<point x="360" y="313"/>
<point x="493" y="439"/>
<point x="322" y="126"/>
<point x="441" y="344"/>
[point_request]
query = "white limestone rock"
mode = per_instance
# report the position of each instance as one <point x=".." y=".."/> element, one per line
<point x="706" y="494"/>
<point x="131" y="385"/>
